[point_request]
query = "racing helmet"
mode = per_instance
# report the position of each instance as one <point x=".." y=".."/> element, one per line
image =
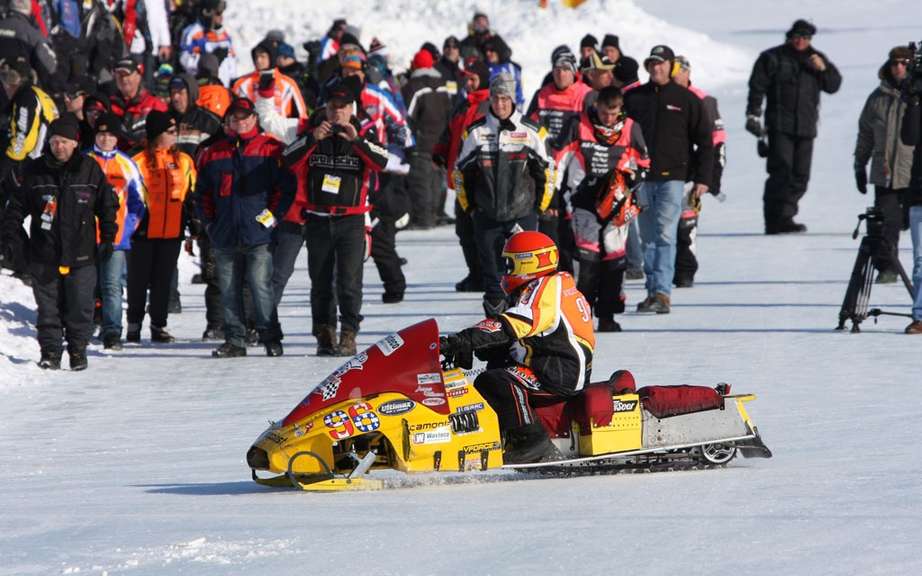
<point x="526" y="256"/>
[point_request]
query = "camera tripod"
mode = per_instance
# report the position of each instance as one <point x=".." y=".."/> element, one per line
<point x="873" y="248"/>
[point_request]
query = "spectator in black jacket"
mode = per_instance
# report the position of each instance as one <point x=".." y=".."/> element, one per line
<point x="673" y="125"/>
<point x="66" y="194"/>
<point x="449" y="66"/>
<point x="428" y="108"/>
<point x="791" y="77"/>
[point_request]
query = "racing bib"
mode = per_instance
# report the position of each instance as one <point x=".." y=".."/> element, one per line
<point x="331" y="184"/>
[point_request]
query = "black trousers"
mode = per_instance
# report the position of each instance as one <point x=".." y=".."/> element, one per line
<point x="602" y="283"/>
<point x="384" y="254"/>
<point x="424" y="183"/>
<point x="788" y="166"/>
<point x="214" y="310"/>
<point x="65" y="307"/>
<point x="150" y="267"/>
<point x="890" y="203"/>
<point x="490" y="236"/>
<point x="464" y="230"/>
<point x="513" y="392"/>
<point x="335" y="246"/>
<point x="686" y="261"/>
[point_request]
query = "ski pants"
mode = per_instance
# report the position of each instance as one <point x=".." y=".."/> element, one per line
<point x="286" y="245"/>
<point x="464" y="230"/>
<point x="65" y="307"/>
<point x="686" y="255"/>
<point x="788" y="166"/>
<point x="490" y="236"/>
<point x="151" y="264"/>
<point x="602" y="261"/>
<point x="424" y="183"/>
<point x="384" y="254"/>
<point x="335" y="245"/>
<point x="513" y="392"/>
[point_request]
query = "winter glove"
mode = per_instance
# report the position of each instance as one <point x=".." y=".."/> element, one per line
<point x="754" y="126"/>
<point x="762" y="147"/>
<point x="104" y="252"/>
<point x="457" y="351"/>
<point x="220" y="53"/>
<point x="861" y="179"/>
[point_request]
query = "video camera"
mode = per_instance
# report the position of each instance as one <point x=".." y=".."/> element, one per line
<point x="874" y="221"/>
<point x="914" y="81"/>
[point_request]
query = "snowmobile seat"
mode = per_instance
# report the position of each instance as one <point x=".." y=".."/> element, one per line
<point x="594" y="405"/>
<point x="666" y="401"/>
<point x="554" y="413"/>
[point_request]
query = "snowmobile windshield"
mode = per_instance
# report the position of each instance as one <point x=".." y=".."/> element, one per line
<point x="406" y="362"/>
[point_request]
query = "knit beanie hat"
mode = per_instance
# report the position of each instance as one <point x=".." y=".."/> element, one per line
<point x="67" y="126"/>
<point x="503" y="84"/>
<point x="157" y="123"/>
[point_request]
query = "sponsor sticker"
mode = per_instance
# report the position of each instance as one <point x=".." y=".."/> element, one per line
<point x="438" y="436"/>
<point x="396" y="407"/>
<point x="481" y="447"/>
<point x="620" y="406"/>
<point x="489" y="325"/>
<point x="302" y="429"/>
<point x="433" y="401"/>
<point x="455" y="392"/>
<point x="390" y="344"/>
<point x="469" y="408"/>
<point x="427" y="426"/>
<point x="428" y="378"/>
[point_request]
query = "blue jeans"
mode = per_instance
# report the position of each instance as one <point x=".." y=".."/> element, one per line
<point x="255" y="262"/>
<point x="915" y="227"/>
<point x="661" y="204"/>
<point x="111" y="281"/>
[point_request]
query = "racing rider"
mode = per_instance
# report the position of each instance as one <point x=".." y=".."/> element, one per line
<point x="538" y="350"/>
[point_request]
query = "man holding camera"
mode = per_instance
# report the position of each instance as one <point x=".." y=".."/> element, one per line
<point x="912" y="136"/>
<point x="891" y="160"/>
<point x="791" y="77"/>
<point x="334" y="161"/>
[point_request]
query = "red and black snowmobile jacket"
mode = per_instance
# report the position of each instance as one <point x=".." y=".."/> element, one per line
<point x="334" y="175"/>
<point x="592" y="152"/>
<point x="553" y="108"/>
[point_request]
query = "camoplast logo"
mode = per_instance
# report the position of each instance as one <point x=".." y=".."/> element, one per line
<point x="620" y="406"/>
<point x="396" y="407"/>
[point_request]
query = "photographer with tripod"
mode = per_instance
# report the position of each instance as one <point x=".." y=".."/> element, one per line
<point x="912" y="136"/>
<point x="891" y="161"/>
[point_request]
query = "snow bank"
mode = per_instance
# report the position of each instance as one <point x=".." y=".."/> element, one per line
<point x="18" y="347"/>
<point x="532" y="33"/>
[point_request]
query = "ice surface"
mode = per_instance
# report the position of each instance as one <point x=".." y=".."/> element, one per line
<point x="136" y="466"/>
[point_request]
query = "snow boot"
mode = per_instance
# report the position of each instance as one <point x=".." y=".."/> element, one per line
<point x="346" y="343"/>
<point x="133" y="334"/>
<point x="50" y="361"/>
<point x="112" y="342"/>
<point x="392" y="297"/>
<point x="645" y="306"/>
<point x="915" y="327"/>
<point x="274" y="349"/>
<point x="252" y="337"/>
<point x="609" y="324"/>
<point x="529" y="444"/>
<point x="326" y="340"/>
<point x="78" y="360"/>
<point x="160" y="335"/>
<point x="228" y="350"/>
<point x="213" y="333"/>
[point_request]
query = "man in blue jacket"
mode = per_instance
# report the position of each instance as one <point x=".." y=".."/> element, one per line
<point x="242" y="187"/>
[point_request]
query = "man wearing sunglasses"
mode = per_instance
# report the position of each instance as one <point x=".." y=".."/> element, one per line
<point x="891" y="160"/>
<point x="791" y="77"/>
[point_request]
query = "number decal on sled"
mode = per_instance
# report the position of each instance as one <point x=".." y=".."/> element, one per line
<point x="341" y="424"/>
<point x="364" y="417"/>
<point x="360" y="417"/>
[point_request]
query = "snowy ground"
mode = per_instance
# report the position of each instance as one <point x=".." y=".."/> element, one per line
<point x="136" y="466"/>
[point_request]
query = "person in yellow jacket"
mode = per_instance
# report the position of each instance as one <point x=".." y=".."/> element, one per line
<point x="169" y="176"/>
<point x="33" y="111"/>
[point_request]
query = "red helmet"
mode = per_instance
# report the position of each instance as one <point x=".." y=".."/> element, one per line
<point x="526" y="256"/>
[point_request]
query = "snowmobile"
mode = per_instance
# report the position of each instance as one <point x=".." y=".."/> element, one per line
<point x="393" y="406"/>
